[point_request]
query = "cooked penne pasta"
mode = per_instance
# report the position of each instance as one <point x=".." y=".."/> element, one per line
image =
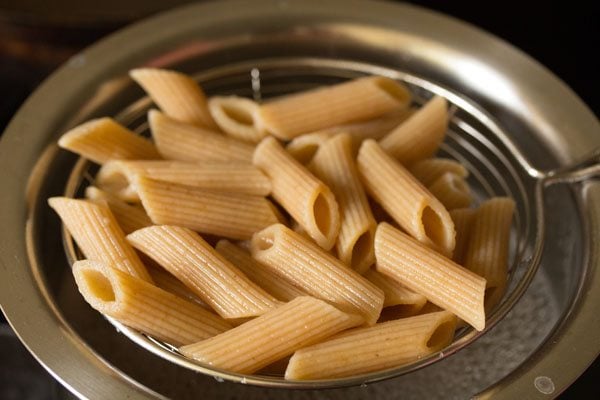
<point x="167" y="282"/>
<point x="395" y="293"/>
<point x="237" y="117"/>
<point x="176" y="140"/>
<point x="362" y="350"/>
<point x="258" y="273"/>
<point x="462" y="218"/>
<point x="429" y="170"/>
<point x="231" y="215"/>
<point x="414" y="208"/>
<point x="452" y="191"/>
<point x="369" y="97"/>
<point x="143" y="306"/>
<point x="117" y="176"/>
<point x="177" y="94"/>
<point x="420" y="135"/>
<point x="487" y="251"/>
<point x="304" y="147"/>
<point x="334" y="165"/>
<point x="427" y="272"/>
<point x="98" y="235"/>
<point x="318" y="273"/>
<point x="204" y="271"/>
<point x="272" y="336"/>
<point x="130" y="217"/>
<point x="304" y="197"/>
<point x="103" y="139"/>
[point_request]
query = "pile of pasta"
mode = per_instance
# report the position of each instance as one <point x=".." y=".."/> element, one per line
<point x="314" y="235"/>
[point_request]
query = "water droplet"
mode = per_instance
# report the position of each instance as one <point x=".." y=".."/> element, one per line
<point x="243" y="381"/>
<point x="219" y="379"/>
<point x="544" y="385"/>
<point x="363" y="385"/>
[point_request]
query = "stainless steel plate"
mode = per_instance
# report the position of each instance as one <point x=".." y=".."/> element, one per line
<point x="549" y="326"/>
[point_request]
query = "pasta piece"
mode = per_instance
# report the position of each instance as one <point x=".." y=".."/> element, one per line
<point x="237" y="117"/>
<point x="420" y="135"/>
<point x="258" y="273"/>
<point x="167" y="282"/>
<point x="429" y="170"/>
<point x="272" y="336"/>
<point x="374" y="348"/>
<point x="143" y="306"/>
<point x="334" y="165"/>
<point x="307" y="199"/>
<point x="231" y="215"/>
<point x="98" y="235"/>
<point x="303" y="148"/>
<point x="177" y="94"/>
<point x="176" y="140"/>
<point x="318" y="273"/>
<point x="452" y="191"/>
<point x="487" y="251"/>
<point x="130" y="217"/>
<point x="462" y="218"/>
<point x="427" y="272"/>
<point x="355" y="100"/>
<point x="117" y="176"/>
<point x="204" y="271"/>
<point x="415" y="209"/>
<point x="103" y="139"/>
<point x="395" y="293"/>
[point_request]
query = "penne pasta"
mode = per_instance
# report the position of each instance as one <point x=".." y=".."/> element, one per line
<point x="304" y="197"/>
<point x="487" y="250"/>
<point x="452" y="191"/>
<point x="362" y="350"/>
<point x="335" y="166"/>
<point x="272" y="336"/>
<point x="304" y="264"/>
<point x="414" y="208"/>
<point x="167" y="282"/>
<point x="176" y="140"/>
<point x="258" y="273"/>
<point x="420" y="135"/>
<point x="98" y="234"/>
<point x="118" y="176"/>
<point x="204" y="271"/>
<point x="231" y="215"/>
<point x="130" y="217"/>
<point x="427" y="272"/>
<point x="103" y="139"/>
<point x="429" y="170"/>
<point x="143" y="306"/>
<point x="237" y="117"/>
<point x="396" y="294"/>
<point x="462" y="218"/>
<point x="355" y="100"/>
<point x="304" y="147"/>
<point x="177" y="94"/>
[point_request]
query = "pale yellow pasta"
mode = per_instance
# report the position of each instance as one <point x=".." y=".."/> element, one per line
<point x="420" y="135"/>
<point x="318" y="273"/>
<point x="452" y="191"/>
<point x="258" y="273"/>
<point x="130" y="217"/>
<point x="176" y="140"/>
<point x="272" y="336"/>
<point x="462" y="218"/>
<point x="429" y="170"/>
<point x="414" y="208"/>
<point x="103" y="139"/>
<point x="231" y="215"/>
<point x="487" y="251"/>
<point x="289" y="116"/>
<point x="143" y="306"/>
<point x="427" y="272"/>
<point x="169" y="283"/>
<point x="98" y="234"/>
<point x="177" y="94"/>
<point x="304" y="197"/>
<point x="237" y="117"/>
<point x="362" y="350"/>
<point x="304" y="147"/>
<point x="204" y="271"/>
<point x="335" y="166"/>
<point x="395" y="293"/>
<point x="236" y="177"/>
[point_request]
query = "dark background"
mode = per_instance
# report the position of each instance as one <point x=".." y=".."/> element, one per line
<point x="563" y="36"/>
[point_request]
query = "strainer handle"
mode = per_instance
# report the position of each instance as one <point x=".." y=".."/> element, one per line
<point x="586" y="168"/>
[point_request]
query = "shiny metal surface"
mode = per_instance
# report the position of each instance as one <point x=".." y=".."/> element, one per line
<point x="499" y="109"/>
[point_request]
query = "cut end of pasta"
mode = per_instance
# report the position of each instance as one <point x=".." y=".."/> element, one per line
<point x="437" y="230"/>
<point x="399" y="92"/>
<point x="362" y="255"/>
<point x="325" y="218"/>
<point x="97" y="285"/>
<point x="442" y="335"/>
